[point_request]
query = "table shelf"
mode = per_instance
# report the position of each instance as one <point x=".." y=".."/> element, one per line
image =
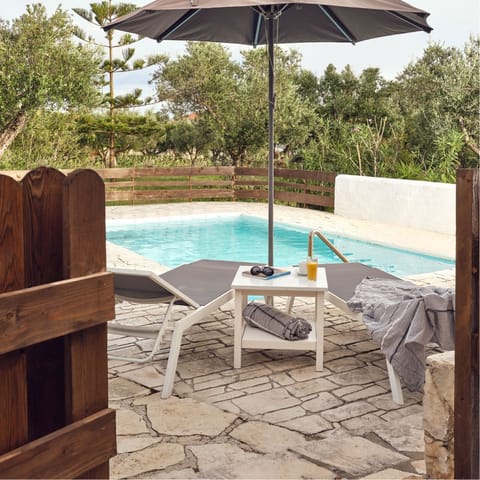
<point x="292" y="285"/>
<point x="257" y="338"/>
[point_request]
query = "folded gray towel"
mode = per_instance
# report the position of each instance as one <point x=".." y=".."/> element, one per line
<point x="276" y="322"/>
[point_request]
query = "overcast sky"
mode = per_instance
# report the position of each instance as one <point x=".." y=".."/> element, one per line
<point x="452" y="21"/>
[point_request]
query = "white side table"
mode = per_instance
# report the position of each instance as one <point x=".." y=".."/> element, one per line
<point x="292" y="285"/>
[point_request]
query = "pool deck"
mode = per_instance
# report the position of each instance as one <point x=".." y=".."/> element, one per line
<point x="276" y="417"/>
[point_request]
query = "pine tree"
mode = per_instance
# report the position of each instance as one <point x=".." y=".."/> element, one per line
<point x="101" y="14"/>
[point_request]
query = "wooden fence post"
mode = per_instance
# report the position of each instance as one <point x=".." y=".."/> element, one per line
<point x="467" y="325"/>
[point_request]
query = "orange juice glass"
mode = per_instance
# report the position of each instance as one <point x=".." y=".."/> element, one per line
<point x="312" y="267"/>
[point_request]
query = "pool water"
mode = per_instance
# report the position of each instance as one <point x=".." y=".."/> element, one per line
<point x="172" y="242"/>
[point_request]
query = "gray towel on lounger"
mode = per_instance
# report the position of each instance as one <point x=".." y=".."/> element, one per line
<point x="403" y="318"/>
<point x="276" y="322"/>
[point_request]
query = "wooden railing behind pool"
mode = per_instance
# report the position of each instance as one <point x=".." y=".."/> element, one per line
<point x="300" y="188"/>
<point x="55" y="300"/>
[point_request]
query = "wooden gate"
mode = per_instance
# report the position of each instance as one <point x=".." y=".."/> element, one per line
<point x="55" y="300"/>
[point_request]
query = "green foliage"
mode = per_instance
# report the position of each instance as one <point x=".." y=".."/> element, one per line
<point x="422" y="125"/>
<point x="50" y="138"/>
<point x="133" y="133"/>
<point x="41" y="68"/>
<point x="230" y="100"/>
<point x="438" y="96"/>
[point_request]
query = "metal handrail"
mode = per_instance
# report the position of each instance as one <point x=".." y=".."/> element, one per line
<point x="326" y="242"/>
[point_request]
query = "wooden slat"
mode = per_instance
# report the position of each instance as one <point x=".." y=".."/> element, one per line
<point x="251" y="195"/>
<point x="182" y="171"/>
<point x="85" y="253"/>
<point x="13" y="401"/>
<point x="40" y="313"/>
<point x="467" y="286"/>
<point x="66" y="453"/>
<point x="250" y="183"/>
<point x="13" y="366"/>
<point x="182" y="194"/>
<point x="313" y="175"/>
<point x="318" y="200"/>
<point x="117" y="185"/>
<point x="42" y="190"/>
<point x="184" y="183"/>
<point x="12" y="265"/>
<point x="84" y="246"/>
<point x="117" y="196"/>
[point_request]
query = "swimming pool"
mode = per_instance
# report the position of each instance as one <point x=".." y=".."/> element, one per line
<point x="174" y="241"/>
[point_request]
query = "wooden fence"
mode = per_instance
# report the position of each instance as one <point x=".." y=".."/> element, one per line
<point x="55" y="300"/>
<point x="156" y="185"/>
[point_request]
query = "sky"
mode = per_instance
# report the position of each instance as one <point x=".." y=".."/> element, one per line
<point x="452" y="21"/>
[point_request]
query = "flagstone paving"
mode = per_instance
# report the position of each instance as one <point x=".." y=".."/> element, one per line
<point x="276" y="417"/>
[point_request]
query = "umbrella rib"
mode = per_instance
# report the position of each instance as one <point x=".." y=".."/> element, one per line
<point x="426" y="29"/>
<point x="258" y="24"/>
<point x="338" y="24"/>
<point x="185" y="18"/>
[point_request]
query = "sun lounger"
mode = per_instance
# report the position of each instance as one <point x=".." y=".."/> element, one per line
<point x="204" y="285"/>
<point x="342" y="280"/>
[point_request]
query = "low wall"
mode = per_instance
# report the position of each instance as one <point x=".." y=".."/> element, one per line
<point x="410" y="203"/>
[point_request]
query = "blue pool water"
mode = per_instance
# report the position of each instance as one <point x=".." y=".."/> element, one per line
<point x="172" y="242"/>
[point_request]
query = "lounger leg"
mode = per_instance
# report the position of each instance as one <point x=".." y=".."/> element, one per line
<point x="180" y="326"/>
<point x="169" y="379"/>
<point x="395" y="384"/>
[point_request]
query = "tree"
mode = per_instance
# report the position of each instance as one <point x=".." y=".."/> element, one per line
<point x="49" y="138"/>
<point x="439" y="97"/>
<point x="205" y="81"/>
<point x="134" y="133"/>
<point x="40" y="67"/>
<point x="230" y="99"/>
<point x="101" y="14"/>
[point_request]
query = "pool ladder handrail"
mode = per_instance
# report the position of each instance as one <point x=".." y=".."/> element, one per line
<point x="327" y="242"/>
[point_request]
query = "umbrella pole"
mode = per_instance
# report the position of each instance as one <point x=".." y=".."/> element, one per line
<point x="271" y="145"/>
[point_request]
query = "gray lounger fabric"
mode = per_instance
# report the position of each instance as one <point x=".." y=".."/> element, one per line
<point x="199" y="282"/>
<point x="403" y="318"/>
<point x="276" y="322"/>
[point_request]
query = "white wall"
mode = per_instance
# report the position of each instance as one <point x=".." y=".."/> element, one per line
<point x="410" y="203"/>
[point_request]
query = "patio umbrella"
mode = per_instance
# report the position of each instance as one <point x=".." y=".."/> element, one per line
<point x="258" y="22"/>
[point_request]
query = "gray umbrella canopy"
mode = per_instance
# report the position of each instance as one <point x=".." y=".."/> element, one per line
<point x="259" y="22"/>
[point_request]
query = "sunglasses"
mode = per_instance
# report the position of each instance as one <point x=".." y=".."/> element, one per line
<point x="267" y="271"/>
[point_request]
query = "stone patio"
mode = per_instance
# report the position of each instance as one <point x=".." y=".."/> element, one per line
<point x="276" y="417"/>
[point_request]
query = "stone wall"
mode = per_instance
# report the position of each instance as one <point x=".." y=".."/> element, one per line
<point x="438" y="416"/>
<point x="408" y="203"/>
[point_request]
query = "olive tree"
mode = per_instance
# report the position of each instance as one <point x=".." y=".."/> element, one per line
<point x="41" y="68"/>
